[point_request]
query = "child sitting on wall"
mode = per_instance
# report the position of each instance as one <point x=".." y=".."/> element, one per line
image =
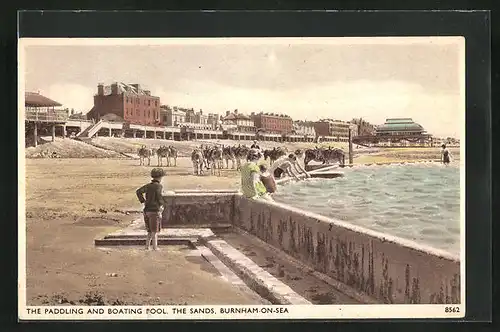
<point x="267" y="179"/>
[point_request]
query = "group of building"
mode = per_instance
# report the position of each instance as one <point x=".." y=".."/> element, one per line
<point x="132" y="105"/>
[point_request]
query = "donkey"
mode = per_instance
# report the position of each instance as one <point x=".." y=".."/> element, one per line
<point x="228" y="154"/>
<point x="313" y="155"/>
<point x="335" y="154"/>
<point x="240" y="152"/>
<point x="274" y="154"/>
<point x="197" y="159"/>
<point x="172" y="154"/>
<point x="145" y="153"/>
<point x="214" y="159"/>
<point x="163" y="152"/>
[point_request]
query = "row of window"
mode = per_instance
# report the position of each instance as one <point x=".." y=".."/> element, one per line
<point x="346" y="129"/>
<point x="138" y="100"/>
<point x="277" y="125"/>
<point x="271" y="120"/>
<point x="150" y="114"/>
<point x="244" y="123"/>
<point x="277" y="121"/>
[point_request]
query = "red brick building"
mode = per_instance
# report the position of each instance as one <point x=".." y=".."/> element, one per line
<point x="240" y="121"/>
<point x="322" y="128"/>
<point x="273" y="123"/>
<point x="334" y="128"/>
<point x="127" y="101"/>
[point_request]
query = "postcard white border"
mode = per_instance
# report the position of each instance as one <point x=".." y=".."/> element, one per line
<point x="294" y="312"/>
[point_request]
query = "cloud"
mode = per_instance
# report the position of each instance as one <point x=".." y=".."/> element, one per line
<point x="74" y="96"/>
<point x="305" y="81"/>
<point x="374" y="101"/>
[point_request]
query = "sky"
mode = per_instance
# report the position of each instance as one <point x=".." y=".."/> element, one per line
<point x="416" y="78"/>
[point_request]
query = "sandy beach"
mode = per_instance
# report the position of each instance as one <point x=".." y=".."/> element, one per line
<point x="72" y="201"/>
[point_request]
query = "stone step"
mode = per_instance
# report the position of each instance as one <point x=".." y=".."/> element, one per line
<point x="258" y="279"/>
<point x="142" y="241"/>
<point x="204" y="191"/>
<point x="143" y="236"/>
<point x="216" y="228"/>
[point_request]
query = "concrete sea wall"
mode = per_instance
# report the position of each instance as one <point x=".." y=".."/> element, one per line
<point x="194" y="208"/>
<point x="385" y="268"/>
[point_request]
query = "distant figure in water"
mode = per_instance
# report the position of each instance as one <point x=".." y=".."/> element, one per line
<point x="445" y="155"/>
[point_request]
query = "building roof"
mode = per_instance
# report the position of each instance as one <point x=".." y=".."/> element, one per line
<point x="33" y="99"/>
<point x="274" y="115"/>
<point x="304" y="123"/>
<point x="400" y="124"/>
<point x="128" y="88"/>
<point x="234" y="116"/>
<point x="243" y="117"/>
<point x="333" y="121"/>
<point x="112" y="117"/>
<point x="399" y="120"/>
<point x="78" y="116"/>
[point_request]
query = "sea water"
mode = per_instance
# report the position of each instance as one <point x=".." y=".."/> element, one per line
<point x="419" y="202"/>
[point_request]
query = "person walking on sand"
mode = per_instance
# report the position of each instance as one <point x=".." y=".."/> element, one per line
<point x="445" y="155"/>
<point x="153" y="206"/>
<point x="251" y="185"/>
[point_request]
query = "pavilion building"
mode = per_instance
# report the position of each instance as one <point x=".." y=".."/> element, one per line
<point x="41" y="115"/>
<point x="400" y="127"/>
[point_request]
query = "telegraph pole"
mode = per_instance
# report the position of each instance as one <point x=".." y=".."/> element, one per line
<point x="350" y="147"/>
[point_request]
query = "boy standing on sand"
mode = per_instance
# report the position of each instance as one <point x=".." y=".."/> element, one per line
<point x="153" y="206"/>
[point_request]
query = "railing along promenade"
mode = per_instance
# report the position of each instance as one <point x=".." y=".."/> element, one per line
<point x="50" y="116"/>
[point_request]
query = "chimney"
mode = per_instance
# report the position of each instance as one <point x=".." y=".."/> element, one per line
<point x="236" y="111"/>
<point x="201" y="111"/>
<point x="253" y="113"/>
<point x="100" y="89"/>
<point x="114" y="89"/>
<point x="227" y="113"/>
<point x="137" y="87"/>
